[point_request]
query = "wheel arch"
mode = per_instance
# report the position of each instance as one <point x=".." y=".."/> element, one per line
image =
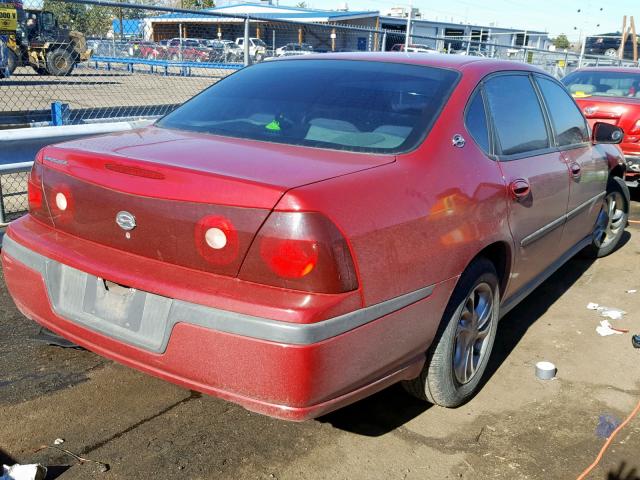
<point x="500" y="254"/>
<point x="618" y="171"/>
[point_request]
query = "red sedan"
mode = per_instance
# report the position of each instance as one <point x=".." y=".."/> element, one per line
<point x="311" y="230"/>
<point x="612" y="95"/>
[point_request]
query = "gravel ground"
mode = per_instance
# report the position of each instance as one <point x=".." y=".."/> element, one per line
<point x="90" y="88"/>
<point x="516" y="428"/>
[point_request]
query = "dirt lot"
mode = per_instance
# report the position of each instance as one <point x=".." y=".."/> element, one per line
<point x="516" y="428"/>
<point x="90" y="88"/>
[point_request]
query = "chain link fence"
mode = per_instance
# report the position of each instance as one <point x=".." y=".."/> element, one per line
<point x="13" y="191"/>
<point x="99" y="61"/>
<point x="84" y="61"/>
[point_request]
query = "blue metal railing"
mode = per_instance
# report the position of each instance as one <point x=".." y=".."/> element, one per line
<point x="162" y="66"/>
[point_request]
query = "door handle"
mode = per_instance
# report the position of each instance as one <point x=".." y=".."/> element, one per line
<point x="576" y="170"/>
<point x="519" y="188"/>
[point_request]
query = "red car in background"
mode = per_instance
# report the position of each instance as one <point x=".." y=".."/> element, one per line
<point x="612" y="95"/>
<point x="308" y="231"/>
<point x="187" y="50"/>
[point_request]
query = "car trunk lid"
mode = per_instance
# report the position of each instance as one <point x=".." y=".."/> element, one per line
<point x="156" y="192"/>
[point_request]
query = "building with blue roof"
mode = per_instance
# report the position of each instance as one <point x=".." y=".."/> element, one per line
<point x="278" y="26"/>
<point x="322" y="29"/>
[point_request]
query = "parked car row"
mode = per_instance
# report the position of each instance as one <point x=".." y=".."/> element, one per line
<point x="174" y="49"/>
<point x="189" y="50"/>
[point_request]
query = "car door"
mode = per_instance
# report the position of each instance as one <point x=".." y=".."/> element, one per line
<point x="535" y="174"/>
<point x="588" y="167"/>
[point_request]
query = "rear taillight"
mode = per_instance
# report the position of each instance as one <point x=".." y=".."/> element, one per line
<point x="37" y="205"/>
<point x="300" y="251"/>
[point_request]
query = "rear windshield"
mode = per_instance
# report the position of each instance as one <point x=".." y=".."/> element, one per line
<point x="337" y="104"/>
<point x="603" y="84"/>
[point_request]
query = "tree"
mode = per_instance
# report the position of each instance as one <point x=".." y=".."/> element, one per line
<point x="197" y="4"/>
<point x="561" y="41"/>
<point x="88" y="19"/>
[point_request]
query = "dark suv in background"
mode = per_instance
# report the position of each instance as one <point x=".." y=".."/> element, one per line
<point x="609" y="44"/>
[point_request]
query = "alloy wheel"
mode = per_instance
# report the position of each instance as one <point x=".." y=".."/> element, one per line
<point x="611" y="220"/>
<point x="474" y="325"/>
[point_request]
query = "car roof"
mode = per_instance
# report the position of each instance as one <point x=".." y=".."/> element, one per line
<point x="453" y="62"/>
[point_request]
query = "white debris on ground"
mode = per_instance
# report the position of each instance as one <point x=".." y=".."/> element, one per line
<point x="23" y="472"/>
<point x="612" y="313"/>
<point x="605" y="329"/>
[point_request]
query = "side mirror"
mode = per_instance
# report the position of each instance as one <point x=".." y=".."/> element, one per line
<point x="606" y="134"/>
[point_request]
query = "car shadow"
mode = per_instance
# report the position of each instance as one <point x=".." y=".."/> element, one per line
<point x="53" y="471"/>
<point x="622" y="473"/>
<point x="391" y="408"/>
<point x="5" y="458"/>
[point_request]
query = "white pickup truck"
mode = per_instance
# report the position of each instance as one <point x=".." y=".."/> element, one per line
<point x="257" y="48"/>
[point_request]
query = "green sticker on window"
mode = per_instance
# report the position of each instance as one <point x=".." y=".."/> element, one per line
<point x="274" y="126"/>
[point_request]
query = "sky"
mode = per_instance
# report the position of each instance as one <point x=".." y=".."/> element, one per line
<point x="554" y="16"/>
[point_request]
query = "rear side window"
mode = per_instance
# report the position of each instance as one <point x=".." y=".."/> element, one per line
<point x="568" y="123"/>
<point x="517" y="115"/>
<point x="476" y="121"/>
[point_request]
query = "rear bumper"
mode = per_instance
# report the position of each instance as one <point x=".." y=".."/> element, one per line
<point x="282" y="369"/>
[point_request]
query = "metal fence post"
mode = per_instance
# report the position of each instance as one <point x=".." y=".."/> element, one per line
<point x="409" y="26"/>
<point x="582" y="50"/>
<point x="59" y="113"/>
<point x="2" y="214"/>
<point x="383" y="47"/>
<point x="247" y="39"/>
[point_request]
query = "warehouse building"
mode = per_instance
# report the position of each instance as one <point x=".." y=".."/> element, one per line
<point x="283" y="25"/>
<point x="272" y="30"/>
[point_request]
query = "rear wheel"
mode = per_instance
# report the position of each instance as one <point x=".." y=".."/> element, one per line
<point x="611" y="52"/>
<point x="612" y="220"/>
<point x="460" y="352"/>
<point x="60" y="62"/>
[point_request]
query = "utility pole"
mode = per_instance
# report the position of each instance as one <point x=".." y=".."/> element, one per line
<point x="406" y="38"/>
<point x="121" y="22"/>
<point x="634" y="37"/>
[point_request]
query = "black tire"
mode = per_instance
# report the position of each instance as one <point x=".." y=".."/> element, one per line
<point x="12" y="62"/>
<point x="611" y="52"/>
<point x="60" y="62"/>
<point x="608" y="231"/>
<point x="439" y="381"/>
